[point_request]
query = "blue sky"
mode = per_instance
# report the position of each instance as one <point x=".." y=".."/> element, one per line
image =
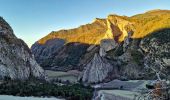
<point x="34" y="19"/>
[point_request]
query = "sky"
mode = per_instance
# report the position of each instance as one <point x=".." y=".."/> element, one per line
<point x="33" y="19"/>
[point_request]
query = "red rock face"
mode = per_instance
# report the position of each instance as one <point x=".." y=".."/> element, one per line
<point x="116" y="38"/>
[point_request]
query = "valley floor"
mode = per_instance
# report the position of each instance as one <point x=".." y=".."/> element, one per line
<point x="116" y="95"/>
<point x="71" y="76"/>
<point x="119" y="90"/>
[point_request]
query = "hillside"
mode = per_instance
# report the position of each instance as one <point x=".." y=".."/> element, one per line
<point x="94" y="31"/>
<point x="141" y="25"/>
<point x="150" y="21"/>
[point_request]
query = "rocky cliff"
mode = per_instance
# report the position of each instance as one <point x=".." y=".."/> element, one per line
<point x="96" y="70"/>
<point x="126" y="45"/>
<point x="16" y="60"/>
<point x="140" y="59"/>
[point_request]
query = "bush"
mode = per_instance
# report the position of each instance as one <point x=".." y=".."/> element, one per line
<point x="137" y="57"/>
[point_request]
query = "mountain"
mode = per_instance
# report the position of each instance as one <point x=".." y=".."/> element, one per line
<point x="129" y="46"/>
<point x="16" y="60"/>
<point x="86" y="37"/>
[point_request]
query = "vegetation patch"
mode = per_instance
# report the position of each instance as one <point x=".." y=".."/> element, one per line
<point x="45" y="89"/>
<point x="137" y="56"/>
<point x="162" y="35"/>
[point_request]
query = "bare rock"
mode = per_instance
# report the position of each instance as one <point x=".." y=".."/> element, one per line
<point x="16" y="60"/>
<point x="96" y="70"/>
<point x="106" y="45"/>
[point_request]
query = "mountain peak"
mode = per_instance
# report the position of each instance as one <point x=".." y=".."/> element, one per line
<point x="98" y="20"/>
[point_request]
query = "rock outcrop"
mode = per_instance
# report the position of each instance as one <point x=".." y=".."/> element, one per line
<point x="107" y="45"/>
<point x="118" y="28"/>
<point x="16" y="60"/>
<point x="96" y="70"/>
